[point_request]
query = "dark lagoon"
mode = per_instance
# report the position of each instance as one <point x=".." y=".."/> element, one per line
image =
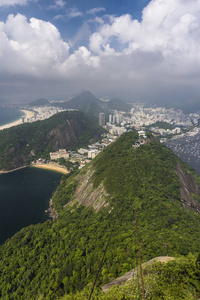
<point x="24" y="196"/>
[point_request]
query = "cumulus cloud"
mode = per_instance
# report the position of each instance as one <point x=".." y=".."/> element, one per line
<point x="170" y="27"/>
<point x="14" y="2"/>
<point x="30" y="47"/>
<point x="152" y="58"/>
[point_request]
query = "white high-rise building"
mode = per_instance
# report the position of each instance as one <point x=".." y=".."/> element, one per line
<point x="102" y="119"/>
<point x="110" y="118"/>
<point x="118" y="118"/>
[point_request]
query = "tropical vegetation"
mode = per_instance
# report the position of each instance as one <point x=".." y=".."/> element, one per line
<point x="65" y="257"/>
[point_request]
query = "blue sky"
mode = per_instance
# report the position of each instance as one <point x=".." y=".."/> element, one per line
<point x="75" y="19"/>
<point x="137" y="50"/>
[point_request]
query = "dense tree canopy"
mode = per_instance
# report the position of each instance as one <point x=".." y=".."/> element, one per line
<point x="60" y="257"/>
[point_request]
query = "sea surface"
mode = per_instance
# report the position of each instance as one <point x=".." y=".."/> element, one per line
<point x="8" y="115"/>
<point x="24" y="197"/>
<point x="187" y="148"/>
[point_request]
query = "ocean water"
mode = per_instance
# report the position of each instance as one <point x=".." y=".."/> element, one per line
<point x="8" y="115"/>
<point x="24" y="197"/>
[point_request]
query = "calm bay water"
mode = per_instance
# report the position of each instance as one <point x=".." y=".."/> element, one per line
<point x="8" y="115"/>
<point x="188" y="149"/>
<point x="24" y="196"/>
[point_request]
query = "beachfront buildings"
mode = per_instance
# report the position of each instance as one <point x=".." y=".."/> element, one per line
<point x="61" y="153"/>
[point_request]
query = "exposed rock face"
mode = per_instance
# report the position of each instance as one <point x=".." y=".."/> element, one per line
<point x="65" y="137"/>
<point x="188" y="187"/>
<point x="86" y="195"/>
<point x="52" y="212"/>
<point x="129" y="275"/>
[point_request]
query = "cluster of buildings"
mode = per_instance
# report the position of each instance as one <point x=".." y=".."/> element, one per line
<point x="119" y="122"/>
<point x="82" y="155"/>
<point x="143" y="116"/>
<point x="116" y="118"/>
<point x="61" y="153"/>
<point x="42" y="113"/>
<point x="115" y="125"/>
<point x="165" y="132"/>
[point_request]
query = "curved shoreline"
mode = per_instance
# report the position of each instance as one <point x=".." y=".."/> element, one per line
<point x="52" y="167"/>
<point x="28" y="114"/>
<point x="48" y="166"/>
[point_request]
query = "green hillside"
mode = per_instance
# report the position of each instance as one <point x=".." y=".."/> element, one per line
<point x="93" y="109"/>
<point x="163" y="125"/>
<point x="83" y="99"/>
<point x="21" y="144"/>
<point x="50" y="260"/>
<point x="87" y="103"/>
<point x="118" y="105"/>
<point x="177" y="279"/>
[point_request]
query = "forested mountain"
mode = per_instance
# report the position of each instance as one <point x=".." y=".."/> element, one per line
<point x="94" y="238"/>
<point x="77" y="102"/>
<point x="117" y="104"/>
<point x="91" y="105"/>
<point x="21" y="144"/>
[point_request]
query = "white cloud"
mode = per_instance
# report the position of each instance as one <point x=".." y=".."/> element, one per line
<point x="74" y="12"/>
<point x="171" y="27"/>
<point x="14" y="2"/>
<point x="96" y="20"/>
<point x="33" y="47"/>
<point x="141" y="59"/>
<point x="59" y="4"/>
<point x="95" y="10"/>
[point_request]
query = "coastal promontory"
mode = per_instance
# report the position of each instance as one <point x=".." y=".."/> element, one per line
<point x="22" y="144"/>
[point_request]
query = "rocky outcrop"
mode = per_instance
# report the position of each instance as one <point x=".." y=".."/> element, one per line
<point x="130" y="275"/>
<point x="189" y="190"/>
<point x="51" y="211"/>
<point x="86" y="195"/>
<point x="66" y="134"/>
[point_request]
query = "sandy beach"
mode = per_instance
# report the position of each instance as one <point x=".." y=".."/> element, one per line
<point x="29" y="114"/>
<point x="52" y="166"/>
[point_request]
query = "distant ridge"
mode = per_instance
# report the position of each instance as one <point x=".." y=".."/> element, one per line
<point x="91" y="105"/>
<point x="39" y="102"/>
<point x="87" y="103"/>
<point x="83" y="99"/>
<point x="117" y="104"/>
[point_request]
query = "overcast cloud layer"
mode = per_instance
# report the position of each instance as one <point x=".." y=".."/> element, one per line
<point x="155" y="58"/>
